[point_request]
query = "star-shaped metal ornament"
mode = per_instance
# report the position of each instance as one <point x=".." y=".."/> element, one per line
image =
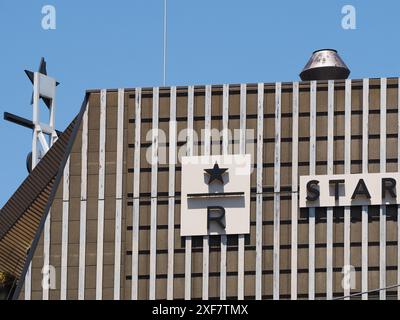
<point x="215" y="173"/>
<point x="43" y="70"/>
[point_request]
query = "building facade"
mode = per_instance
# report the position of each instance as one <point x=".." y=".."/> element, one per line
<point x="113" y="231"/>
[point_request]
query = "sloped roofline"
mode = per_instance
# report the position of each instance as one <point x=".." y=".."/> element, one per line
<point x="58" y="176"/>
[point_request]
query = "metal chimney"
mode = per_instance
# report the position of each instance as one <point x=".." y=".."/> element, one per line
<point x="325" y="64"/>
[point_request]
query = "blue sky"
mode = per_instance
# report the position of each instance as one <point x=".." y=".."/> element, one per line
<point x="110" y="44"/>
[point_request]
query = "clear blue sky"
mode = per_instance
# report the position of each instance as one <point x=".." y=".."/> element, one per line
<point x="110" y="44"/>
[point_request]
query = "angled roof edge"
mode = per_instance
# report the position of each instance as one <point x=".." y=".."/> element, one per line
<point x="20" y="217"/>
<point x="33" y="185"/>
<point x="38" y="182"/>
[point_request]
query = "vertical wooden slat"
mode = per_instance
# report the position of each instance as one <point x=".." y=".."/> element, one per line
<point x="243" y="108"/>
<point x="277" y="187"/>
<point x="189" y="152"/>
<point x="207" y="152"/>
<point x="311" y="211"/>
<point x="83" y="207"/>
<point x="347" y="170"/>
<point x="225" y="144"/>
<point x="153" y="206"/>
<point x="242" y="150"/>
<point x="28" y="283"/>
<point x="136" y="186"/>
<point x="329" y="211"/>
<point x="382" y="219"/>
<point x="100" y="217"/>
<point x="364" y="210"/>
<point x="259" y="196"/>
<point x="207" y="129"/>
<point x="171" y="194"/>
<point x="225" y="114"/>
<point x="46" y="254"/>
<point x="118" y="195"/>
<point x="295" y="200"/>
<point x="64" y="233"/>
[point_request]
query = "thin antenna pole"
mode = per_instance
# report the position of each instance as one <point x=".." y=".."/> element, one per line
<point x="165" y="44"/>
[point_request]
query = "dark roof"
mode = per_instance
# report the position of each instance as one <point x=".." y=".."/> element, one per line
<point x="22" y="217"/>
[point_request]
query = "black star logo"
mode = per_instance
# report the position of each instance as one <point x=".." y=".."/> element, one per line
<point x="216" y="173"/>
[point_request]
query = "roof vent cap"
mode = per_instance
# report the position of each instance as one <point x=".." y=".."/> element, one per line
<point x="325" y="64"/>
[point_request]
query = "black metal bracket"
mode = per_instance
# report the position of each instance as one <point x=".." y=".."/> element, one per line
<point x="22" y="121"/>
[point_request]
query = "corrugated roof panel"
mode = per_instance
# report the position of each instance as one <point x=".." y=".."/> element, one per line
<point x="22" y="215"/>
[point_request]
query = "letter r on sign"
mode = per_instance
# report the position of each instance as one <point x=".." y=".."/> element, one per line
<point x="217" y="214"/>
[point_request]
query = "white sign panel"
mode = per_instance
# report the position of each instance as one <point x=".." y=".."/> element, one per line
<point x="47" y="86"/>
<point x="215" y="195"/>
<point x="349" y="190"/>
